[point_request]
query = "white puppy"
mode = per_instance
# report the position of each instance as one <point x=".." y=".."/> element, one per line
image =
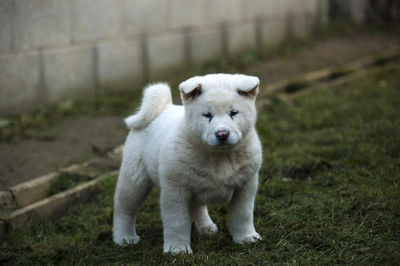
<point x="206" y="151"/>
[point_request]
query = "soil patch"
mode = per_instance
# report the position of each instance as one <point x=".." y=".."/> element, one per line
<point x="321" y="54"/>
<point x="72" y="141"/>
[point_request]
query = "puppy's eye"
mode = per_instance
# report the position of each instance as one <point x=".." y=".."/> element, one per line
<point x="208" y="116"/>
<point x="233" y="113"/>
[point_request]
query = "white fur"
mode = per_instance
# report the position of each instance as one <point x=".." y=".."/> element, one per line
<point x="176" y="148"/>
<point x="155" y="99"/>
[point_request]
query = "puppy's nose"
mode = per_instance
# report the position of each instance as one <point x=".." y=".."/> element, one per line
<point x="222" y="134"/>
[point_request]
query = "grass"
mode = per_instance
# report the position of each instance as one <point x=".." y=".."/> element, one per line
<point x="66" y="181"/>
<point x="328" y="193"/>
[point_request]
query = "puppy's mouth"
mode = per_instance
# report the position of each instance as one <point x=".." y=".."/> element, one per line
<point x="221" y="144"/>
<point x="221" y="147"/>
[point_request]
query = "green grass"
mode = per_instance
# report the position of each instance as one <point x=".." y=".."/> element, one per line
<point x="328" y="193"/>
<point x="67" y="180"/>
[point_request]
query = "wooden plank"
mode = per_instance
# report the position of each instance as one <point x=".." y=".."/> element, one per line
<point x="6" y="200"/>
<point x="37" y="189"/>
<point x="56" y="205"/>
<point x="33" y="190"/>
<point x="326" y="73"/>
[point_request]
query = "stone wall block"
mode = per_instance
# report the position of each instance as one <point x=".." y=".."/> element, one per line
<point x="203" y="12"/>
<point x="165" y="53"/>
<point x="311" y="6"/>
<point x="242" y="37"/>
<point x="145" y="16"/>
<point x="19" y="78"/>
<point x="120" y="65"/>
<point x="294" y="7"/>
<point x="273" y="32"/>
<point x="301" y="26"/>
<point x="52" y="50"/>
<point x="223" y="11"/>
<point x="206" y="45"/>
<point x="100" y="19"/>
<point x="6" y="14"/>
<point x="41" y="23"/>
<point x="254" y="8"/>
<point x="69" y="72"/>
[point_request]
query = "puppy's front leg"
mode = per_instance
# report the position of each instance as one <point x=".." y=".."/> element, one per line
<point x="176" y="220"/>
<point x="240" y="213"/>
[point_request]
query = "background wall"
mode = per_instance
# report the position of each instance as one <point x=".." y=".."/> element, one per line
<point x="52" y="50"/>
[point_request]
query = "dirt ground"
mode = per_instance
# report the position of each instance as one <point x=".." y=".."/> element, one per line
<point x="71" y="141"/>
<point x="321" y="54"/>
<point x="77" y="139"/>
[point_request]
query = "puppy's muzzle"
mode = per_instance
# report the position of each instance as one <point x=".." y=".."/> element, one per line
<point x="222" y="135"/>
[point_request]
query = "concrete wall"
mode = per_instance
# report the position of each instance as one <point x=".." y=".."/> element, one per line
<point x="51" y="50"/>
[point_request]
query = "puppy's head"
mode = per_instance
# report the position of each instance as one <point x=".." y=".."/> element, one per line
<point x="220" y="108"/>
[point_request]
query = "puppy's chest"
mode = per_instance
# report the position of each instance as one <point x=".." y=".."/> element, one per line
<point x="215" y="183"/>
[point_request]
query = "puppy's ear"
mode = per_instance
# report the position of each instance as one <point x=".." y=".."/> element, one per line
<point x="247" y="85"/>
<point x="190" y="89"/>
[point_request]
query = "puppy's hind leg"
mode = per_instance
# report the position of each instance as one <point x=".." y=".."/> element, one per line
<point x="201" y="219"/>
<point x="132" y="189"/>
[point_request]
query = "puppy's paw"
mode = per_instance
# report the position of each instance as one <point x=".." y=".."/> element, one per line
<point x="126" y="240"/>
<point x="175" y="250"/>
<point x="208" y="229"/>
<point x="250" y="238"/>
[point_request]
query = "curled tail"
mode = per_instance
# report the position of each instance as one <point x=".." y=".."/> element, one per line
<point x="156" y="98"/>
